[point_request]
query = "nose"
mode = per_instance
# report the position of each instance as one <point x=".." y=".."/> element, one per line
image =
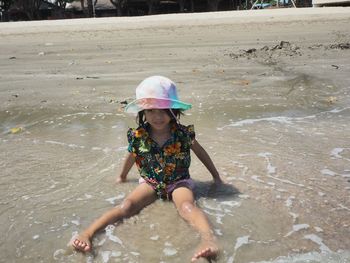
<point x="158" y="114"/>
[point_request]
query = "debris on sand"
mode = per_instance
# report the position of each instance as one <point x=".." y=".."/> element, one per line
<point x="341" y="46"/>
<point x="16" y="130"/>
<point x="332" y="100"/>
<point x="335" y="66"/>
<point x="284" y="48"/>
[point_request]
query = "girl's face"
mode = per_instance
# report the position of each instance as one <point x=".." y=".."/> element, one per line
<point x="158" y="119"/>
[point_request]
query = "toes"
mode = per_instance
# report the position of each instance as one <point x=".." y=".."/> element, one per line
<point x="75" y="243"/>
<point x="205" y="253"/>
<point x="81" y="245"/>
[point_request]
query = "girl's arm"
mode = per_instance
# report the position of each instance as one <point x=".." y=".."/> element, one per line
<point x="204" y="157"/>
<point x="128" y="163"/>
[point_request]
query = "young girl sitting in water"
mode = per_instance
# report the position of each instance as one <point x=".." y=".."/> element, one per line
<point x="160" y="147"/>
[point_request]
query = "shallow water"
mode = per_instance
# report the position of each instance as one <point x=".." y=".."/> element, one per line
<point x="279" y="135"/>
<point x="289" y="166"/>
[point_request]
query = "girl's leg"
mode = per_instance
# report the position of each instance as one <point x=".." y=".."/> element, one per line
<point x="184" y="202"/>
<point x="142" y="196"/>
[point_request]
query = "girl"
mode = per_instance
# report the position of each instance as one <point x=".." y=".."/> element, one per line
<point x="160" y="147"/>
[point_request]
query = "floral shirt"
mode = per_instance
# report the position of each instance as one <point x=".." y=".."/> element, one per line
<point x="160" y="166"/>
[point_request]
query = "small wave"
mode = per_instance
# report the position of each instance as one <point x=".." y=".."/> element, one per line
<point x="280" y="119"/>
<point x="314" y="257"/>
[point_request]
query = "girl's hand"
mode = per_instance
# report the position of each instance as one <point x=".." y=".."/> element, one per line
<point x="120" y="180"/>
<point x="219" y="181"/>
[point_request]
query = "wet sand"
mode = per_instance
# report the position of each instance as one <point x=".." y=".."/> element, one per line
<point x="270" y="95"/>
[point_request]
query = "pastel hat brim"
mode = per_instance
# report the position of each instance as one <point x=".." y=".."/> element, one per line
<point x="155" y="103"/>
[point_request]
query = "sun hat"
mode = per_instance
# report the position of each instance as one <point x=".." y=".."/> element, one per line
<point x="156" y="92"/>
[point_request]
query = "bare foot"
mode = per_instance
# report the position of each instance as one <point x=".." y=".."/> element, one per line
<point x="82" y="243"/>
<point x="207" y="249"/>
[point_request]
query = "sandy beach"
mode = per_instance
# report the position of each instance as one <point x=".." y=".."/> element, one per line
<point x="270" y="91"/>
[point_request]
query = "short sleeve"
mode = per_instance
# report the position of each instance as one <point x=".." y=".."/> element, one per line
<point x="191" y="133"/>
<point x="131" y="139"/>
<point x="187" y="134"/>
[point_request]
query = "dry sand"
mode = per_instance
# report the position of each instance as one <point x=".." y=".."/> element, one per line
<point x="270" y="90"/>
<point x="125" y="50"/>
<point x="44" y="55"/>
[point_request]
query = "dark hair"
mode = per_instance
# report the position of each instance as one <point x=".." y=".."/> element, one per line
<point x="141" y="119"/>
